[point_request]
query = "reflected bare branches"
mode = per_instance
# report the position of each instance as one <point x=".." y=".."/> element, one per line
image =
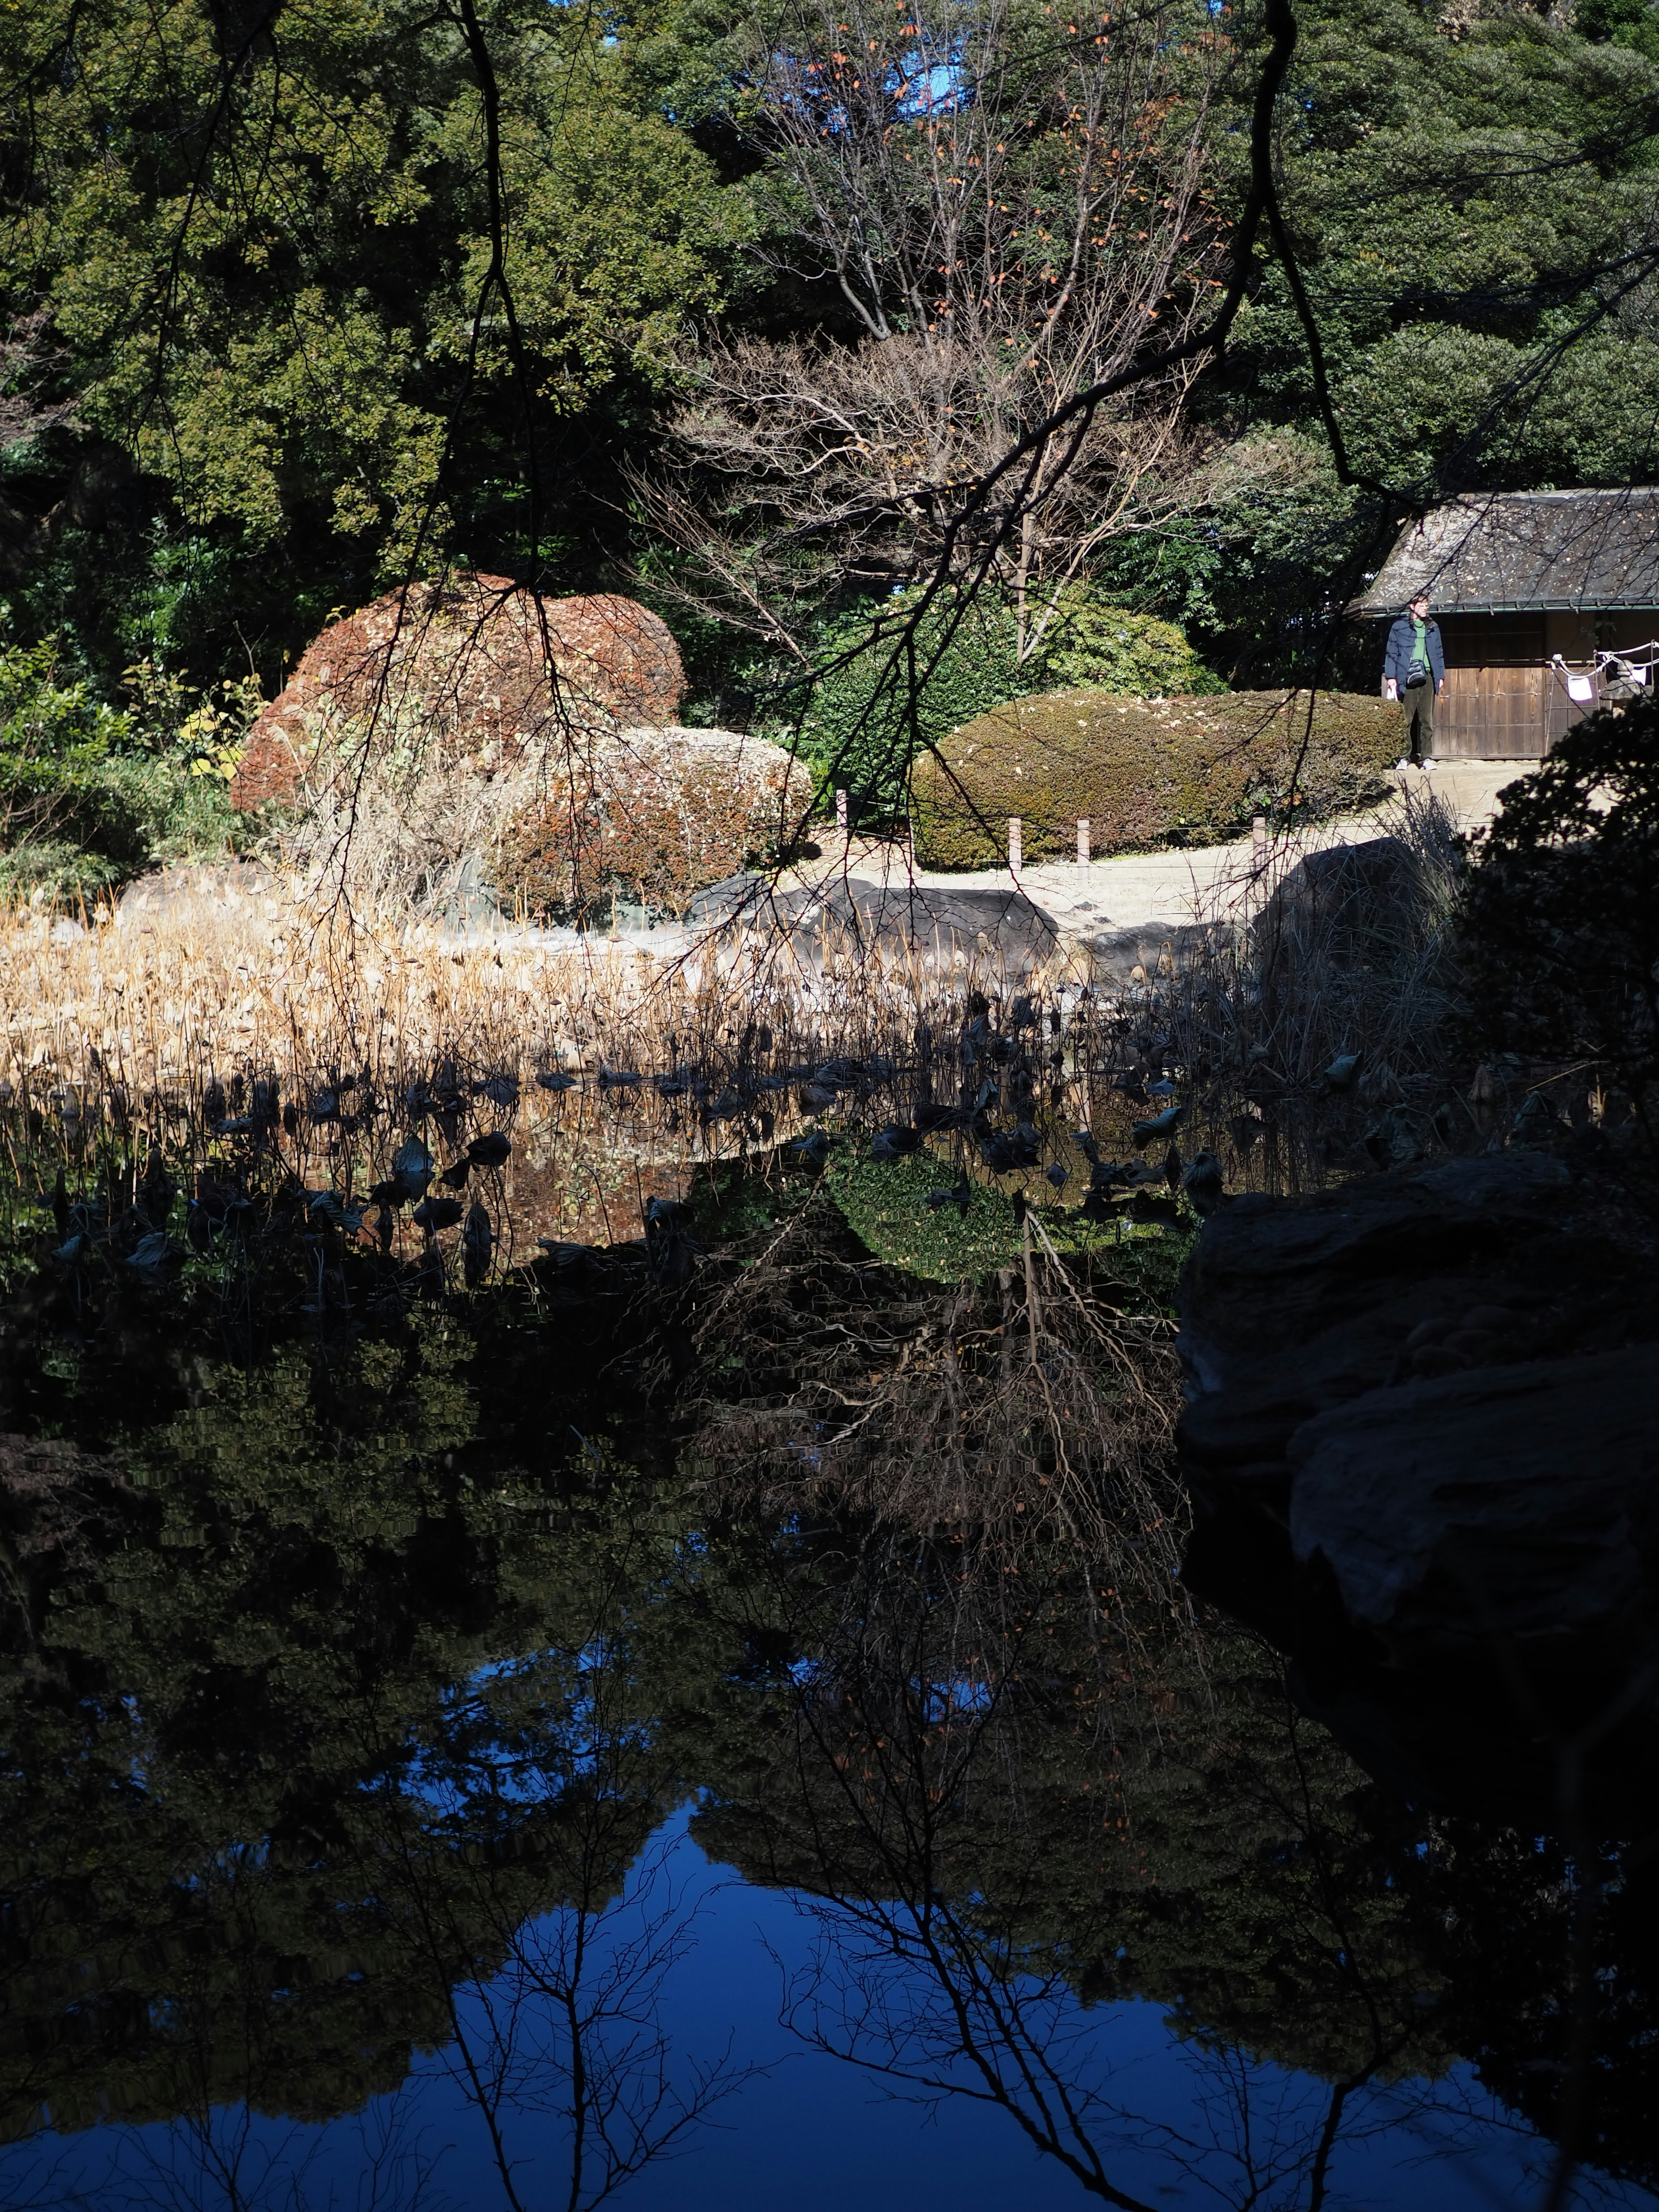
<point x="569" y="2030"/>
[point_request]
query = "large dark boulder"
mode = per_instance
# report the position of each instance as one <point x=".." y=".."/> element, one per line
<point x="1347" y="897"/>
<point x="1421" y="1439"/>
<point x="1003" y="929"/>
<point x="1154" y="947"/>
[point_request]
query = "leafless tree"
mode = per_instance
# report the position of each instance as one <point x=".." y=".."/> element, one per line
<point x="914" y="1743"/>
<point x="570" y="2028"/>
<point x="546" y="1776"/>
<point x="1006" y="203"/>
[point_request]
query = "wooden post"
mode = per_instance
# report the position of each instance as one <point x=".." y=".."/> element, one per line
<point x="1259" y="842"/>
<point x="1014" y="855"/>
<point x="1083" y="840"/>
<point x="841" y="812"/>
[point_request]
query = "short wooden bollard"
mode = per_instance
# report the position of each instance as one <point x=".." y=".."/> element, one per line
<point x="1258" y="840"/>
<point x="841" y="812"/>
<point x="1014" y="856"/>
<point x="1083" y="840"/>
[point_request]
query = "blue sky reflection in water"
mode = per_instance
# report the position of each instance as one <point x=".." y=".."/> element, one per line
<point x="921" y="1865"/>
<point x="746" y="1974"/>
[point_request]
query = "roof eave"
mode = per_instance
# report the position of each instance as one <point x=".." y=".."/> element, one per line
<point x="1372" y="611"/>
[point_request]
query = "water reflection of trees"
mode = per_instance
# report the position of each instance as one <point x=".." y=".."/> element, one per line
<point x="336" y="1736"/>
<point x="260" y="1851"/>
<point x="990" y="1816"/>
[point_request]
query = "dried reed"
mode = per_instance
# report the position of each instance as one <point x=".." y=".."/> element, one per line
<point x="147" y="1029"/>
<point x="215" y="1021"/>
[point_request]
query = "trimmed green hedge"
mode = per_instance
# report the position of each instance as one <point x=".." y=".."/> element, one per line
<point x="857" y="735"/>
<point x="1146" y="772"/>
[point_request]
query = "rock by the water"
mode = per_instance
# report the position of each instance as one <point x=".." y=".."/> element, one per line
<point x="724" y="901"/>
<point x="1421" y="1440"/>
<point x="1467" y="1506"/>
<point x="1114" y="954"/>
<point x="651" y="816"/>
<point x="940" y="926"/>
<point x="471" y="654"/>
<point x="1347" y="895"/>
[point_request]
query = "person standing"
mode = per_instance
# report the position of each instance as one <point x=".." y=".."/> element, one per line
<point x="1414" y="674"/>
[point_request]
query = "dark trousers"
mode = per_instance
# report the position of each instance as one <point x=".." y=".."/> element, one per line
<point x="1417" y="715"/>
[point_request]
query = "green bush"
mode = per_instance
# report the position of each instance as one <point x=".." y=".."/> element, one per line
<point x="860" y="736"/>
<point x="1561" y="912"/>
<point x="90" y="794"/>
<point x="1097" y="647"/>
<point x="1146" y="772"/>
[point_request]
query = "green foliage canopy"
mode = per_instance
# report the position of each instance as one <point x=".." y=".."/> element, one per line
<point x="1470" y="198"/>
<point x="263" y="253"/>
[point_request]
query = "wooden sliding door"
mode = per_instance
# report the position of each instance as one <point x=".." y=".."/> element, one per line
<point x="1498" y="688"/>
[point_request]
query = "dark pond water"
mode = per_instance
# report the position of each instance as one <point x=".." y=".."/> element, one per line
<point x="426" y="1786"/>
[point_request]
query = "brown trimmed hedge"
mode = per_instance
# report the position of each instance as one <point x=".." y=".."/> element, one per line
<point x="657" y="815"/>
<point x="1146" y="772"/>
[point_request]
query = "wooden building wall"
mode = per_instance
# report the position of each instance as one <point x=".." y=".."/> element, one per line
<point x="1504" y="699"/>
<point x="1495" y="706"/>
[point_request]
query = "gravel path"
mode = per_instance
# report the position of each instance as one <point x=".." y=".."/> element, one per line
<point x="1098" y="910"/>
<point x="1146" y="892"/>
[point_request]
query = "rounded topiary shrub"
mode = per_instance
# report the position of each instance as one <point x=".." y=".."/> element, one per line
<point x="1146" y="772"/>
<point x="654" y="815"/>
<point x="862" y="726"/>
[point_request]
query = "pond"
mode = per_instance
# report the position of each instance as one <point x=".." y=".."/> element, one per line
<point x="433" y="1777"/>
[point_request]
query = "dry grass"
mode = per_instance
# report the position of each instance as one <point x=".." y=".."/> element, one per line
<point x="1311" y="1030"/>
<point x="142" y="1024"/>
<point x="143" y="1032"/>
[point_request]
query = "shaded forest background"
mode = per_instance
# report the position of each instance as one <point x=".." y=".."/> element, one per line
<point x="306" y="297"/>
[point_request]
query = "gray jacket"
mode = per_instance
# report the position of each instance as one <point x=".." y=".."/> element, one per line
<point x="1397" y="661"/>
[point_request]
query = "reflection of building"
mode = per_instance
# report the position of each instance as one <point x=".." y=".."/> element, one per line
<point x="1538" y="594"/>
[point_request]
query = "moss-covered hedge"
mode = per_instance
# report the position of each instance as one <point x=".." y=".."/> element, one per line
<point x="1146" y="772"/>
<point x="858" y="734"/>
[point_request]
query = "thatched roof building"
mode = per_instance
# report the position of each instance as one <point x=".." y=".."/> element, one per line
<point x="1533" y="591"/>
